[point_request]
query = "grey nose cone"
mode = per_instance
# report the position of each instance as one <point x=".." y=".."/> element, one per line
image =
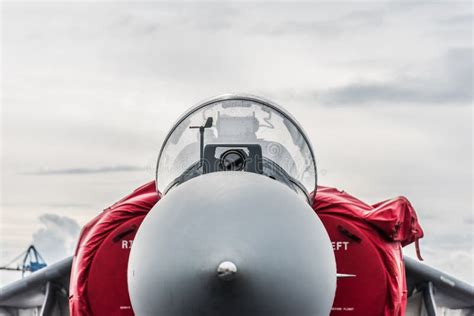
<point x="231" y="243"/>
<point x="226" y="271"/>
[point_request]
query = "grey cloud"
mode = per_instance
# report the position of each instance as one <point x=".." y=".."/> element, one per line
<point x="57" y="238"/>
<point x="366" y="92"/>
<point x="320" y="28"/>
<point x="212" y="17"/>
<point x="462" y="239"/>
<point x="48" y="205"/>
<point x="151" y="19"/>
<point x="69" y="205"/>
<point x="448" y="81"/>
<point x="329" y="28"/>
<point x="469" y="220"/>
<point x="88" y="170"/>
<point x="457" y="20"/>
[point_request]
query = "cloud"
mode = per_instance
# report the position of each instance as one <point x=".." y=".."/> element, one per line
<point x="329" y="27"/>
<point x="71" y="171"/>
<point x="458" y="20"/>
<point x="157" y="18"/>
<point x="448" y="81"/>
<point x="57" y="238"/>
<point x="456" y="261"/>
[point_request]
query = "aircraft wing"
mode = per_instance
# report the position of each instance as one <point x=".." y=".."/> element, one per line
<point x="431" y="291"/>
<point x="44" y="292"/>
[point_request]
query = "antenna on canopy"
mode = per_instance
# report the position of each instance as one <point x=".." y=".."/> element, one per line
<point x="208" y="124"/>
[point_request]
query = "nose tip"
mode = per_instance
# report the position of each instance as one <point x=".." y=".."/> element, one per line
<point x="227" y="271"/>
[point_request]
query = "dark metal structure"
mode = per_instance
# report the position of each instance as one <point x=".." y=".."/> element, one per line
<point x="32" y="261"/>
<point x="44" y="292"/>
<point x="437" y="288"/>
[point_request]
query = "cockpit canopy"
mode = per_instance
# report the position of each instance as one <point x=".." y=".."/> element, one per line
<point x="237" y="133"/>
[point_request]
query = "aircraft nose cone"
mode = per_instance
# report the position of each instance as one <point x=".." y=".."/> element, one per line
<point x="226" y="271"/>
<point x="231" y="243"/>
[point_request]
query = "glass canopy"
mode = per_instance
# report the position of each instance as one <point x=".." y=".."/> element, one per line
<point x="240" y="123"/>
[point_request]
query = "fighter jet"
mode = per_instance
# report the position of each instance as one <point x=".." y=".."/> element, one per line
<point x="236" y="224"/>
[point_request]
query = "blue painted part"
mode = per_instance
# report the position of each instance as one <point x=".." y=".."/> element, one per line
<point x="35" y="266"/>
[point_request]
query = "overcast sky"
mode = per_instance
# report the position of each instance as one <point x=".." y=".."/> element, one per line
<point x="383" y="90"/>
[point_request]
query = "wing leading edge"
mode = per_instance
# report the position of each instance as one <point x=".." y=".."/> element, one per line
<point x="45" y="292"/>
<point x="430" y="289"/>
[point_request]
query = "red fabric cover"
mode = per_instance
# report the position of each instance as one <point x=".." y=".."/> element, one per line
<point x="109" y="276"/>
<point x="373" y="235"/>
<point x="367" y="241"/>
<point x="98" y="284"/>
